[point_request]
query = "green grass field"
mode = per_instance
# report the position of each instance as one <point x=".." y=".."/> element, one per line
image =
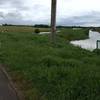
<point x="20" y="29"/>
<point x="45" y="71"/>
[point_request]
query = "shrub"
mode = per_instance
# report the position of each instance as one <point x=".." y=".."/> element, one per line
<point x="97" y="51"/>
<point x="37" y="31"/>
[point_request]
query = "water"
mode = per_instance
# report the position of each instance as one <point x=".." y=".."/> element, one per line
<point x="89" y="44"/>
<point x="49" y="32"/>
<point x="44" y="32"/>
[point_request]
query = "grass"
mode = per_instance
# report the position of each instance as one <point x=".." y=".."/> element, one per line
<point x="77" y="34"/>
<point x="44" y="71"/>
<point x="20" y="29"/>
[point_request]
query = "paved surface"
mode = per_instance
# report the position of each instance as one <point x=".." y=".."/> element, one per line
<point x="6" y="90"/>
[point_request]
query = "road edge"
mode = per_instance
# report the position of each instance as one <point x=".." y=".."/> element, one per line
<point x="11" y="83"/>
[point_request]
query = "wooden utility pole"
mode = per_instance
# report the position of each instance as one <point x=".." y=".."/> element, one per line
<point x="53" y="19"/>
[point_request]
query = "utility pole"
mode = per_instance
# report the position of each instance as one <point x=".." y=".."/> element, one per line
<point x="53" y="19"/>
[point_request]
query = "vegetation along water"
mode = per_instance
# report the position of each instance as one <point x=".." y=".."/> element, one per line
<point x="45" y="71"/>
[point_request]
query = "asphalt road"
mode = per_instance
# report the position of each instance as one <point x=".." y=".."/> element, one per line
<point x="6" y="90"/>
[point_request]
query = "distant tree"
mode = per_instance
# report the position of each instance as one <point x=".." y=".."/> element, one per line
<point x="41" y="26"/>
<point x="4" y="24"/>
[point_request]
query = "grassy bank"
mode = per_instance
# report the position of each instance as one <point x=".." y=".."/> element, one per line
<point x="51" y="72"/>
<point x="74" y="34"/>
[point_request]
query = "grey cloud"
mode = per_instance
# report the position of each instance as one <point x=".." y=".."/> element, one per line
<point x="21" y="22"/>
<point x="10" y="15"/>
<point x="86" y="19"/>
<point x="3" y="2"/>
<point x="17" y="21"/>
<point x="9" y="1"/>
<point x="2" y="15"/>
<point x="17" y="4"/>
<point x="13" y="15"/>
<point x="16" y="16"/>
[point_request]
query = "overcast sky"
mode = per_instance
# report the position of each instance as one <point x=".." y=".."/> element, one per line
<point x="69" y="12"/>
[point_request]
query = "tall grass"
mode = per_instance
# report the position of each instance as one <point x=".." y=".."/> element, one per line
<point x="51" y="72"/>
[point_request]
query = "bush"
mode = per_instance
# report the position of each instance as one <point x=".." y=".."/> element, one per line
<point x="37" y="31"/>
<point x="97" y="51"/>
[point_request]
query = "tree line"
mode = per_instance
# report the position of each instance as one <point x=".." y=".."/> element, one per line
<point x="48" y="26"/>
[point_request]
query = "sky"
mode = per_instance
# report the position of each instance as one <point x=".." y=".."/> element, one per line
<point x="69" y="12"/>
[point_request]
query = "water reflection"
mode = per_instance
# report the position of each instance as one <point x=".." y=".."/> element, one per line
<point x="90" y="43"/>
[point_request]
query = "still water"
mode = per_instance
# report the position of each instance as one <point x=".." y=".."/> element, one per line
<point x="89" y="44"/>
